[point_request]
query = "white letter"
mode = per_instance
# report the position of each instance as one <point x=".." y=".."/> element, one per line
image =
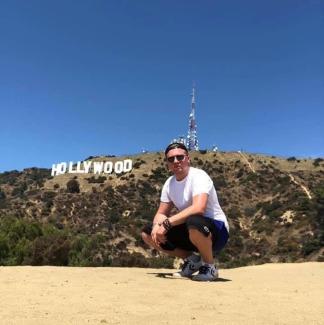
<point x="108" y="167"/>
<point x="119" y="167"/>
<point x="128" y="165"/>
<point x="79" y="170"/>
<point x="97" y="166"/>
<point x="55" y="169"/>
<point x="62" y="168"/>
<point x="71" y="168"/>
<point x="87" y="165"/>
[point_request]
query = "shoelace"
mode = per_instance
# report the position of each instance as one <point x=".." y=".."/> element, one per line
<point x="204" y="269"/>
<point x="184" y="265"/>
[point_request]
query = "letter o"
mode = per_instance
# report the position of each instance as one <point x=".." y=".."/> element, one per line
<point x="108" y="167"/>
<point x="128" y="165"/>
<point x="119" y="167"/>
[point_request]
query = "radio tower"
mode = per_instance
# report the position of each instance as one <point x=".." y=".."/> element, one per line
<point x="192" y="139"/>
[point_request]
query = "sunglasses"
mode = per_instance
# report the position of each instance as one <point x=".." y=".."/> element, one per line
<point x="173" y="158"/>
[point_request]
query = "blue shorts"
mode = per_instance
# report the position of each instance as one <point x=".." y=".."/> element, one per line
<point x="178" y="236"/>
<point x="215" y="227"/>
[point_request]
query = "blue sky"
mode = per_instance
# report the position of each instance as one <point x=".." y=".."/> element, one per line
<point x="81" y="78"/>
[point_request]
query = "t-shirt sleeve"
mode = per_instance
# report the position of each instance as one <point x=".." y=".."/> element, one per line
<point x="202" y="183"/>
<point x="165" y="193"/>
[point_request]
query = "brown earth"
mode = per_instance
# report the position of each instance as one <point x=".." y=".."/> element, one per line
<point x="264" y="294"/>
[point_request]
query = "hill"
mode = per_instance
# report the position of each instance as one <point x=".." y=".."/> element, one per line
<point x="275" y="208"/>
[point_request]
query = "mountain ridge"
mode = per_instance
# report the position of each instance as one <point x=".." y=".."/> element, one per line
<point x="275" y="207"/>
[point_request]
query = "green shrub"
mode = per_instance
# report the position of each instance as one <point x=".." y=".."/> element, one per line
<point x="2" y="195"/>
<point x="219" y="182"/>
<point x="83" y="249"/>
<point x="4" y="248"/>
<point x="317" y="161"/>
<point x="160" y="262"/>
<point x="9" y="178"/>
<point x="311" y="246"/>
<point x="99" y="179"/>
<point x="19" y="189"/>
<point x="73" y="186"/>
<point x="50" y="250"/>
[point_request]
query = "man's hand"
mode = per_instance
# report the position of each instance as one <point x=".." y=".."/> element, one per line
<point x="158" y="234"/>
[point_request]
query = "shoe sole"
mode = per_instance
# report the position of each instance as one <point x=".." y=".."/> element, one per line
<point x="199" y="280"/>
<point x="179" y="276"/>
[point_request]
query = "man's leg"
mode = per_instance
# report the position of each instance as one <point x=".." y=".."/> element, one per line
<point x="178" y="237"/>
<point x="177" y="252"/>
<point x="201" y="232"/>
<point x="204" y="244"/>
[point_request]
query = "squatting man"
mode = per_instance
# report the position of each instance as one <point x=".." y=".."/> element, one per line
<point x="199" y="230"/>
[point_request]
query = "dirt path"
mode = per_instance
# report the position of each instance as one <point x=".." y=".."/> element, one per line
<point x="247" y="161"/>
<point x="304" y="188"/>
<point x="266" y="294"/>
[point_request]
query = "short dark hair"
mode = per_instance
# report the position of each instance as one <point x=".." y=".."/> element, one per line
<point x="175" y="145"/>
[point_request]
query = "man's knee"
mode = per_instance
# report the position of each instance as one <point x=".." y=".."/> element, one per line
<point x="146" y="237"/>
<point x="195" y="234"/>
<point x="198" y="224"/>
<point x="146" y="232"/>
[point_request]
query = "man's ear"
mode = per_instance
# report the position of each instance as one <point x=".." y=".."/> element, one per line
<point x="167" y="166"/>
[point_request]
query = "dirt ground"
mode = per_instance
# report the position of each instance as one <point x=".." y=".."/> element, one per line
<point x="264" y="294"/>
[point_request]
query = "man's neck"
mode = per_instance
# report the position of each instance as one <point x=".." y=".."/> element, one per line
<point x="182" y="175"/>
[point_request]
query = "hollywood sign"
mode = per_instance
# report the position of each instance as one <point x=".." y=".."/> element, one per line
<point x="95" y="167"/>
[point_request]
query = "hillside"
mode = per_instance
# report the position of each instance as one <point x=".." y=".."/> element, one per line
<point x="275" y="208"/>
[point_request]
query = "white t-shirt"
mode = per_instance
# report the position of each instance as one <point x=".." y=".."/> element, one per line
<point x="180" y="193"/>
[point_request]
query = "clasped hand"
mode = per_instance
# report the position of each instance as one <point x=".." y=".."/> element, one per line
<point x="158" y="234"/>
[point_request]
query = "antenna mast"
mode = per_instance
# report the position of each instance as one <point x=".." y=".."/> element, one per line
<point x="192" y="139"/>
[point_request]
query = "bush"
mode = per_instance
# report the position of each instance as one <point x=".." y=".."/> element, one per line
<point x="73" y="186"/>
<point x="219" y="182"/>
<point x="93" y="179"/>
<point x="240" y="173"/>
<point x="251" y="177"/>
<point x="19" y="190"/>
<point x="161" y="262"/>
<point x="16" y="237"/>
<point x="9" y="177"/>
<point x="4" y="248"/>
<point x="200" y="162"/>
<point x="2" y="195"/>
<point x="311" y="246"/>
<point x="159" y="175"/>
<point x="250" y="211"/>
<point x="50" y="250"/>
<point x="317" y="161"/>
<point x="84" y="249"/>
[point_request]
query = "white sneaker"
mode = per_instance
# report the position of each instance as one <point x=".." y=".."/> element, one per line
<point x="207" y="272"/>
<point x="188" y="268"/>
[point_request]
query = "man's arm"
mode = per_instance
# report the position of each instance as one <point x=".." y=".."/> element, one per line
<point x="163" y="212"/>
<point x="199" y="203"/>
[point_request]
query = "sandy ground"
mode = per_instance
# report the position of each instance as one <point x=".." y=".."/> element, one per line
<point x="265" y="294"/>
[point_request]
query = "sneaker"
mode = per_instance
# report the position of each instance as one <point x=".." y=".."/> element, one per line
<point x="207" y="272"/>
<point x="188" y="268"/>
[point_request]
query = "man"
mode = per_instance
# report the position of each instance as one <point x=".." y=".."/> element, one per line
<point x="200" y="224"/>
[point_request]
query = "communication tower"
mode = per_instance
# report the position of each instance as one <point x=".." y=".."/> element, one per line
<point x="192" y="139"/>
